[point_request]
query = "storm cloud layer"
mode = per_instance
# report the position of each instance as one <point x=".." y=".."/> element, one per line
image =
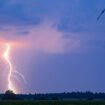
<point x="57" y="38"/>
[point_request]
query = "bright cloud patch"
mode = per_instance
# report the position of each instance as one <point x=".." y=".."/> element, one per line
<point x="43" y="37"/>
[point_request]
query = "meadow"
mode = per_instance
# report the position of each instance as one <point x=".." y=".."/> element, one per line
<point x="52" y="102"/>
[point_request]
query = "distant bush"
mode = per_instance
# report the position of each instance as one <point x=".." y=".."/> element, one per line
<point x="10" y="95"/>
<point x="90" y="99"/>
<point x="55" y="98"/>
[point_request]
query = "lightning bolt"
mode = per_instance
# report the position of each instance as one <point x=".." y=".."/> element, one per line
<point x="11" y="73"/>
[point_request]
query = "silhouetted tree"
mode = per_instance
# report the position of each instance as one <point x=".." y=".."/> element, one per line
<point x="9" y="95"/>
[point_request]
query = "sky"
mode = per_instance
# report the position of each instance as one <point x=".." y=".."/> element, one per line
<point x="58" y="45"/>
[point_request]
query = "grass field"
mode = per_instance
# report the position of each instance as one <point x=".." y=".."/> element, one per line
<point x="52" y="102"/>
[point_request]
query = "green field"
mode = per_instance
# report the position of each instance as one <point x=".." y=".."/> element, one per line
<point x="52" y="102"/>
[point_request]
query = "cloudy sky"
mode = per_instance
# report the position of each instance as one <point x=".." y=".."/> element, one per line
<point x="58" y="45"/>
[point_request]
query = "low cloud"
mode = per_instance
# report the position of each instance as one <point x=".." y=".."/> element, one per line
<point x="47" y="38"/>
<point x="44" y="37"/>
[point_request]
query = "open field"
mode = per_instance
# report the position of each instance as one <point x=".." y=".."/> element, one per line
<point x="52" y="102"/>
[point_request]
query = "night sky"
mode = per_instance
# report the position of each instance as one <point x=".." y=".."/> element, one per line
<point x="58" y="45"/>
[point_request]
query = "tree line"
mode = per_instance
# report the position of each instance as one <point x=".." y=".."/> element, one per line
<point x="9" y="95"/>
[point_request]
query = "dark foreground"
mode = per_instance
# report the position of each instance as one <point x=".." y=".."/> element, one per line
<point x="52" y="102"/>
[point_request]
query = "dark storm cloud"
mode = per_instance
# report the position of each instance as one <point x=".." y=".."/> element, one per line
<point x="23" y="33"/>
<point x="52" y="26"/>
<point x="12" y="13"/>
